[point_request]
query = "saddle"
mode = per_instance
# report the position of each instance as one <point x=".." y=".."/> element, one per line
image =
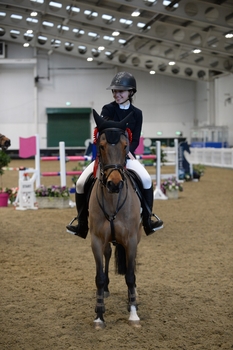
<point x="136" y="183"/>
<point x="89" y="184"/>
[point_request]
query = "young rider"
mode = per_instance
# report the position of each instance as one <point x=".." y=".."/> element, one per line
<point x="123" y="88"/>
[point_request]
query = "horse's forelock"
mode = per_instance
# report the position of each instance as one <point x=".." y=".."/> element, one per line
<point x="113" y="135"/>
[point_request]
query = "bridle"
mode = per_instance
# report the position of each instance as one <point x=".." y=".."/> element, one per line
<point x="103" y="180"/>
<point x="112" y="137"/>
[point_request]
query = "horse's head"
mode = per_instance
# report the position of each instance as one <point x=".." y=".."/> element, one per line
<point x="113" y="146"/>
<point x="4" y="142"/>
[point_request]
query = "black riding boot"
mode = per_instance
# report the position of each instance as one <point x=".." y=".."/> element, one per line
<point x="150" y="226"/>
<point x="81" y="229"/>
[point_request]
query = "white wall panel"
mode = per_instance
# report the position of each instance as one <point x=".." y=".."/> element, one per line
<point x="169" y="104"/>
<point x="224" y="104"/>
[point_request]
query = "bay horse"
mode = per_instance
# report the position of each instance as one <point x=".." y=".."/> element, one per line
<point x="4" y="142"/>
<point x="114" y="216"/>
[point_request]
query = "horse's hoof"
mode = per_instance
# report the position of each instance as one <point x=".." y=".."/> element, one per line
<point x="99" y="324"/>
<point x="135" y="324"/>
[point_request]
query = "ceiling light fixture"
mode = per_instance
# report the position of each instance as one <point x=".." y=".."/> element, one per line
<point x="47" y="24"/>
<point x="16" y="17"/>
<point x="136" y="13"/>
<point x="229" y="35"/>
<point x="196" y="50"/>
<point x="172" y="63"/>
<point x="122" y="41"/>
<point x="55" y="4"/>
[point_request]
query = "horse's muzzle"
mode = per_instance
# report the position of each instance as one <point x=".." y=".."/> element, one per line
<point x="114" y="188"/>
<point x="6" y="144"/>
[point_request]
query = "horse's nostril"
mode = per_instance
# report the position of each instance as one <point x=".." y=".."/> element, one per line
<point x="111" y="186"/>
<point x="7" y="143"/>
<point x="114" y="188"/>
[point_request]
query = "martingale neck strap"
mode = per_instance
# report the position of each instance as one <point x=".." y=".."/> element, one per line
<point x="111" y="217"/>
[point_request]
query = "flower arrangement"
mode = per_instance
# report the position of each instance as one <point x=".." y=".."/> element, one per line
<point x="188" y="177"/>
<point x="53" y="191"/>
<point x="171" y="184"/>
<point x="199" y="169"/>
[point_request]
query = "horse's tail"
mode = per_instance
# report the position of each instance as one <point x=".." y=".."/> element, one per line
<point x="120" y="260"/>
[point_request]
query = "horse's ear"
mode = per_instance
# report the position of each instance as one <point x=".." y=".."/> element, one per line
<point x="102" y="123"/>
<point x="98" y="119"/>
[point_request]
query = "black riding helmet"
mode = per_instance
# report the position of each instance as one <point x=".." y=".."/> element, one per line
<point x="123" y="81"/>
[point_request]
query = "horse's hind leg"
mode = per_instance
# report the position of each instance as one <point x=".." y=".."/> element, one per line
<point x="107" y="256"/>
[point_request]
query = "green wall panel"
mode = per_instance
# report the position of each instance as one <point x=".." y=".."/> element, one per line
<point x="71" y="125"/>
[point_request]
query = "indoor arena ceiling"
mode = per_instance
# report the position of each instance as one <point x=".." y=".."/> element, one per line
<point x="190" y="39"/>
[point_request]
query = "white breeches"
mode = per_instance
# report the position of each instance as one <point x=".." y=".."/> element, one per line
<point x="132" y="164"/>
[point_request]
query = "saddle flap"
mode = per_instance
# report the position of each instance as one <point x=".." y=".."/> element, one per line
<point x="136" y="182"/>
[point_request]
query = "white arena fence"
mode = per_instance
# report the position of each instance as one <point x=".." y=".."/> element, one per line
<point x="217" y="157"/>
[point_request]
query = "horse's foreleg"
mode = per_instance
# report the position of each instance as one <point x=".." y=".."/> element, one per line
<point x="100" y="307"/>
<point x="100" y="282"/>
<point x="107" y="256"/>
<point x="131" y="284"/>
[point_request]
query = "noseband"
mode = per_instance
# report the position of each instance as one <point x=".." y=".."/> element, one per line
<point x="113" y="167"/>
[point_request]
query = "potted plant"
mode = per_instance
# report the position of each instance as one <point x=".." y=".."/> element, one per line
<point x="4" y="192"/>
<point x="171" y="187"/>
<point x="52" y="196"/>
<point x="198" y="171"/>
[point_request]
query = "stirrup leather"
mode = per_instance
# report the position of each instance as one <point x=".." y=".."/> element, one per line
<point x="155" y="216"/>
<point x="70" y="224"/>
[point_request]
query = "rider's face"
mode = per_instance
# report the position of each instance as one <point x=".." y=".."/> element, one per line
<point x="120" y="96"/>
